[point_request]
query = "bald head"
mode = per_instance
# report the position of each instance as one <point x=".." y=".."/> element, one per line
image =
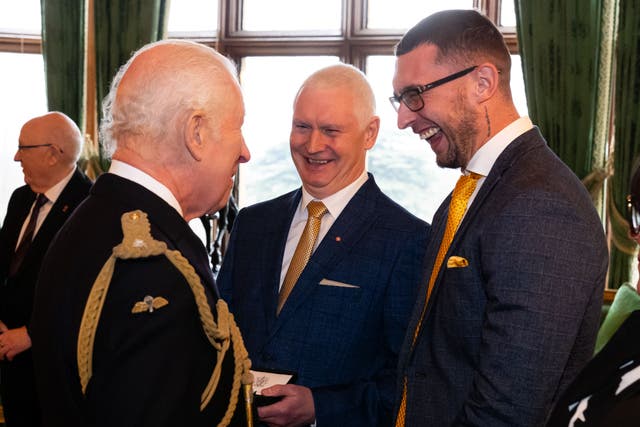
<point x="60" y="131"/>
<point x="346" y="78"/>
<point x="49" y="147"/>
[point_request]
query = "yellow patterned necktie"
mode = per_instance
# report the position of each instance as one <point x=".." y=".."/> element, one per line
<point x="465" y="187"/>
<point x="303" y="251"/>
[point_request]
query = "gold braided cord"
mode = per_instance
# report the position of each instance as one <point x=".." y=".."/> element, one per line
<point x="89" y="324"/>
<point x="138" y="243"/>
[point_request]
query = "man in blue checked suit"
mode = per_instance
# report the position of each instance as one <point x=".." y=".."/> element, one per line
<point x="340" y="325"/>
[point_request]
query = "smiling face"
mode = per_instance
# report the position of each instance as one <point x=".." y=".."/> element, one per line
<point x="330" y="135"/>
<point x="35" y="160"/>
<point x="48" y="147"/>
<point x="448" y="120"/>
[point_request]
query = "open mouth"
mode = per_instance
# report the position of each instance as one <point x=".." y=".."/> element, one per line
<point x="429" y="133"/>
<point x="317" y="161"/>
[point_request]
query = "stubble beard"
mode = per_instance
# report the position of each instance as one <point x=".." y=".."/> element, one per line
<point x="460" y="147"/>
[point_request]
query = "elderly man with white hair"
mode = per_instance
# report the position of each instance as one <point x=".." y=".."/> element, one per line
<point x="128" y="326"/>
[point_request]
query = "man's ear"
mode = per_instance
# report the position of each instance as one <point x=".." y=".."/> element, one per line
<point x="53" y="155"/>
<point x="488" y="81"/>
<point x="193" y="138"/>
<point x="371" y="132"/>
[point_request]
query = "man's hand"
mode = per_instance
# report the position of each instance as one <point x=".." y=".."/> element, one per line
<point x="295" y="409"/>
<point x="13" y="342"/>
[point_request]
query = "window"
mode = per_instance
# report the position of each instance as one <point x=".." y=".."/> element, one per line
<point x="22" y="86"/>
<point x="274" y="53"/>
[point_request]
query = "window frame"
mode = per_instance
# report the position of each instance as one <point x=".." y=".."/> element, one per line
<point x="352" y="43"/>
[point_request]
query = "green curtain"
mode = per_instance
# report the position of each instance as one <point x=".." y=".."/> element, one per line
<point x="559" y="44"/>
<point x="121" y="27"/>
<point x="63" y="49"/>
<point x="627" y="137"/>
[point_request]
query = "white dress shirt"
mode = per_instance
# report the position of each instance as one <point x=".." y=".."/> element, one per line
<point x="52" y="195"/>
<point x="335" y="205"/>
<point x="484" y="159"/>
<point x="134" y="174"/>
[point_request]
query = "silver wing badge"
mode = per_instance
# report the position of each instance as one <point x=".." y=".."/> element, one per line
<point x="149" y="304"/>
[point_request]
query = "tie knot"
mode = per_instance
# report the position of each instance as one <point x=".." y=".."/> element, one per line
<point x="316" y="209"/>
<point x="472" y="177"/>
<point x="466" y="184"/>
<point x="41" y="199"/>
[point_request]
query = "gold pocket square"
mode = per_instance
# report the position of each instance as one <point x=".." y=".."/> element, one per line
<point x="327" y="282"/>
<point x="457" y="262"/>
<point x="149" y="304"/>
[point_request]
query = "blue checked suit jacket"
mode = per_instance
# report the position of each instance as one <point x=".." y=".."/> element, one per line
<point x="505" y="335"/>
<point x="342" y="342"/>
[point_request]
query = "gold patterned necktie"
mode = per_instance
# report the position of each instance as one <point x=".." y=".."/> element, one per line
<point x="303" y="251"/>
<point x="465" y="187"/>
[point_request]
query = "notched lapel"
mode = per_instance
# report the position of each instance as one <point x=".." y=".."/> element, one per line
<point x="346" y="232"/>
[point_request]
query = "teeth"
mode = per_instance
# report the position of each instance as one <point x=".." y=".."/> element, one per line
<point x="429" y="132"/>
<point x="318" y="162"/>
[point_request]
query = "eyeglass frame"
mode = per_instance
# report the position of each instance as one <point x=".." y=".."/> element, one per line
<point x="633" y="215"/>
<point x="28" y="147"/>
<point x="419" y="90"/>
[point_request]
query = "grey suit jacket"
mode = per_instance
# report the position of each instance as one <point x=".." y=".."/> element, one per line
<point x="505" y="335"/>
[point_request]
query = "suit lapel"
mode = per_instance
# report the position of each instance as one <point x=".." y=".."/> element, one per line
<point x="274" y="246"/>
<point x="20" y="216"/>
<point x="504" y="162"/>
<point x="524" y="143"/>
<point x="346" y="232"/>
<point x="69" y="198"/>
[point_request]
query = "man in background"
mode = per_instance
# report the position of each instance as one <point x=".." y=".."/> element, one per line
<point x="48" y="148"/>
<point x="145" y="342"/>
<point x="510" y="306"/>
<point x="321" y="280"/>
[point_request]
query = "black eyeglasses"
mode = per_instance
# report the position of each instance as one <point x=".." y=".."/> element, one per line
<point x="633" y="216"/>
<point x="28" y="147"/>
<point x="412" y="97"/>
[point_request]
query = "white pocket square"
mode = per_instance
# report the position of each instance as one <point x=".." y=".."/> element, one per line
<point x="327" y="282"/>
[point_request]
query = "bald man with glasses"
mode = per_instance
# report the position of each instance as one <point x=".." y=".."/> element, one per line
<point x="48" y="149"/>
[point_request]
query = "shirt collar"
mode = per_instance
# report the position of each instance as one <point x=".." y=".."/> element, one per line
<point x="338" y="201"/>
<point x="134" y="174"/>
<point x="483" y="160"/>
<point x="54" y="192"/>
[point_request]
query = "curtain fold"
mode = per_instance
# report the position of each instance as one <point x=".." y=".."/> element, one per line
<point x="627" y="138"/>
<point x="122" y="27"/>
<point x="559" y="45"/>
<point x="569" y="66"/>
<point x="63" y="47"/>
